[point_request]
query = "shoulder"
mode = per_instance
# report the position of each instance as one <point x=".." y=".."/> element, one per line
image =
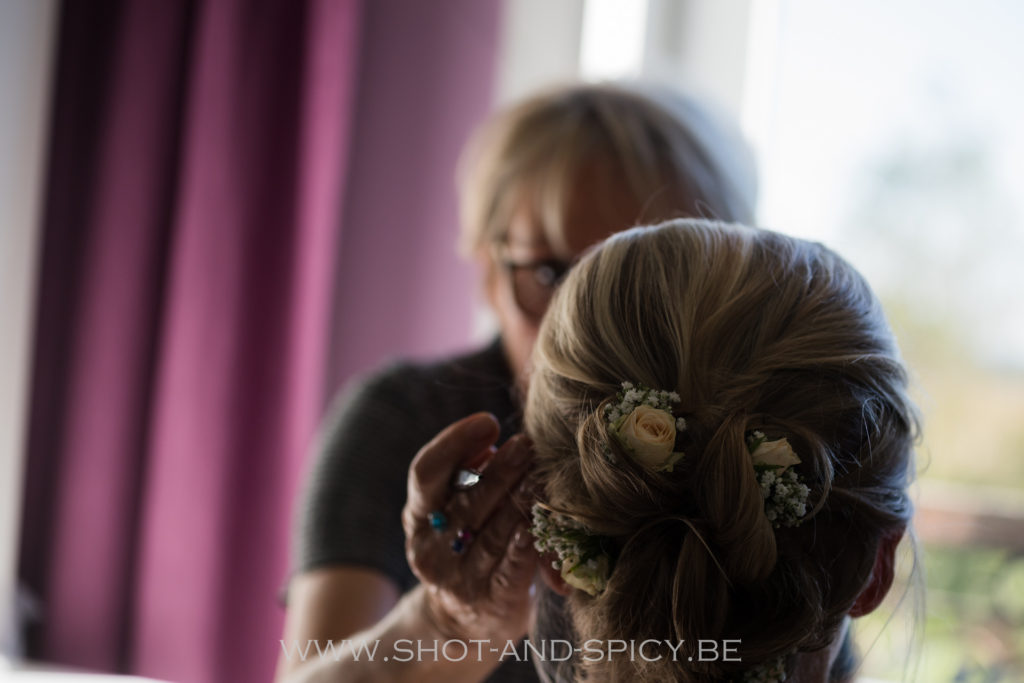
<point x="485" y="366"/>
<point x="445" y="389"/>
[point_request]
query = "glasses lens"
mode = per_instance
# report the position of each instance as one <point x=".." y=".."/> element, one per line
<point x="546" y="276"/>
<point x="532" y="296"/>
<point x="534" y="285"/>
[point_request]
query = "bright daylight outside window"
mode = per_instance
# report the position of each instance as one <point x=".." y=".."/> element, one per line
<point x="891" y="130"/>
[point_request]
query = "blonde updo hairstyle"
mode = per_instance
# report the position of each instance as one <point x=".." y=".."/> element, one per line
<point x="755" y="331"/>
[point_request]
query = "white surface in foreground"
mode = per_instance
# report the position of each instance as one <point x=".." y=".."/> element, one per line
<point x="39" y="672"/>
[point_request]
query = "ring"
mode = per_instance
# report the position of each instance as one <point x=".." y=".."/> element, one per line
<point x="466" y="479"/>
<point x="438" y="522"/>
<point x="462" y="540"/>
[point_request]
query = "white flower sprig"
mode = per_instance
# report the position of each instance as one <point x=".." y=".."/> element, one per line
<point x="772" y="671"/>
<point x="582" y="560"/>
<point x="783" y="490"/>
<point x="643" y="424"/>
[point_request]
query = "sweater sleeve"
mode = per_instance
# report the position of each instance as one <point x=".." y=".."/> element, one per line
<point x="350" y="512"/>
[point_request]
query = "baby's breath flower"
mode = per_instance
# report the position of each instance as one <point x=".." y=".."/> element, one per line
<point x="772" y="671"/>
<point x="784" y="493"/>
<point x="785" y="497"/>
<point x="582" y="561"/>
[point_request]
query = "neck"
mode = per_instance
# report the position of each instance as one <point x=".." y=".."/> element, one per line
<point x="815" y="667"/>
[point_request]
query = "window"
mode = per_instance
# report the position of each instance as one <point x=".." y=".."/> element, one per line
<point x="891" y="131"/>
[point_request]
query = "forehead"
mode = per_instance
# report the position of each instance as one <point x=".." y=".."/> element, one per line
<point x="589" y="206"/>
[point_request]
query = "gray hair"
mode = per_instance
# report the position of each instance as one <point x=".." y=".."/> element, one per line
<point x="672" y="154"/>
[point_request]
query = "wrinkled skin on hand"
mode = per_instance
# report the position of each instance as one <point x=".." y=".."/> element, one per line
<point x="484" y="593"/>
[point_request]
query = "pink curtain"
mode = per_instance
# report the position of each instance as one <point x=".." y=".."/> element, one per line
<point x="427" y="74"/>
<point x="204" y="162"/>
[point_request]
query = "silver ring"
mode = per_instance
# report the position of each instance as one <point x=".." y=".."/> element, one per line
<point x="466" y="479"/>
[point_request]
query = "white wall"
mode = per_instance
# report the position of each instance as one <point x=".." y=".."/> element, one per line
<point x="700" y="45"/>
<point x="26" y="43"/>
<point x="540" y="46"/>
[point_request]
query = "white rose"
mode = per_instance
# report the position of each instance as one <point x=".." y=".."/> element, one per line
<point x="590" y="576"/>
<point x="776" y="453"/>
<point x="649" y="434"/>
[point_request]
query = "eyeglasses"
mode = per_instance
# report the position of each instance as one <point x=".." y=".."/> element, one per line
<point x="534" y="283"/>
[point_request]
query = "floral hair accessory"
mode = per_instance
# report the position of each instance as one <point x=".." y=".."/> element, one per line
<point x="643" y="424"/>
<point x="582" y="560"/>
<point x="783" y="490"/>
<point x="772" y="671"/>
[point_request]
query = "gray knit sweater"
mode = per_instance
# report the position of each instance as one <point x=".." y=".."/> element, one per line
<point x="351" y="508"/>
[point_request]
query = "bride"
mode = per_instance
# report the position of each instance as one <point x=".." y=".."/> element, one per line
<point x="723" y="444"/>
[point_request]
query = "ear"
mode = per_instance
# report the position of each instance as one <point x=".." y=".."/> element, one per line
<point x="553" y="578"/>
<point x="882" y="574"/>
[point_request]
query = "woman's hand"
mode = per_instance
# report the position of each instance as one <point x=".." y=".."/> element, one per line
<point x="477" y="589"/>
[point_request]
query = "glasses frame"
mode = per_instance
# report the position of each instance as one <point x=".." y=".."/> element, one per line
<point x="548" y="273"/>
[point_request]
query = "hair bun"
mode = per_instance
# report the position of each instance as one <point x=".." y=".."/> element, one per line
<point x="754" y="330"/>
<point x="725" y="484"/>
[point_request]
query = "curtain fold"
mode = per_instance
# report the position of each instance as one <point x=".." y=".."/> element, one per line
<point x="197" y="165"/>
<point x="112" y="179"/>
<point x="247" y="201"/>
<point x="240" y="365"/>
<point x="427" y="74"/>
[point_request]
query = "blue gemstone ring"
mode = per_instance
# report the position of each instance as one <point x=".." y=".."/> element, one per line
<point x="438" y="522"/>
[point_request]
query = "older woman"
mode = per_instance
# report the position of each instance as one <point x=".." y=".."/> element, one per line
<point x="542" y="181"/>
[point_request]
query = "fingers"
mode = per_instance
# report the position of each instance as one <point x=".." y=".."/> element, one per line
<point x="491" y="510"/>
<point x="481" y="582"/>
<point x="471" y="508"/>
<point x="431" y="471"/>
<point x="492" y="541"/>
<point x="513" y="576"/>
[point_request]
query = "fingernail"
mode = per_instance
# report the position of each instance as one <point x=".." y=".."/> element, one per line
<point x="482" y="425"/>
